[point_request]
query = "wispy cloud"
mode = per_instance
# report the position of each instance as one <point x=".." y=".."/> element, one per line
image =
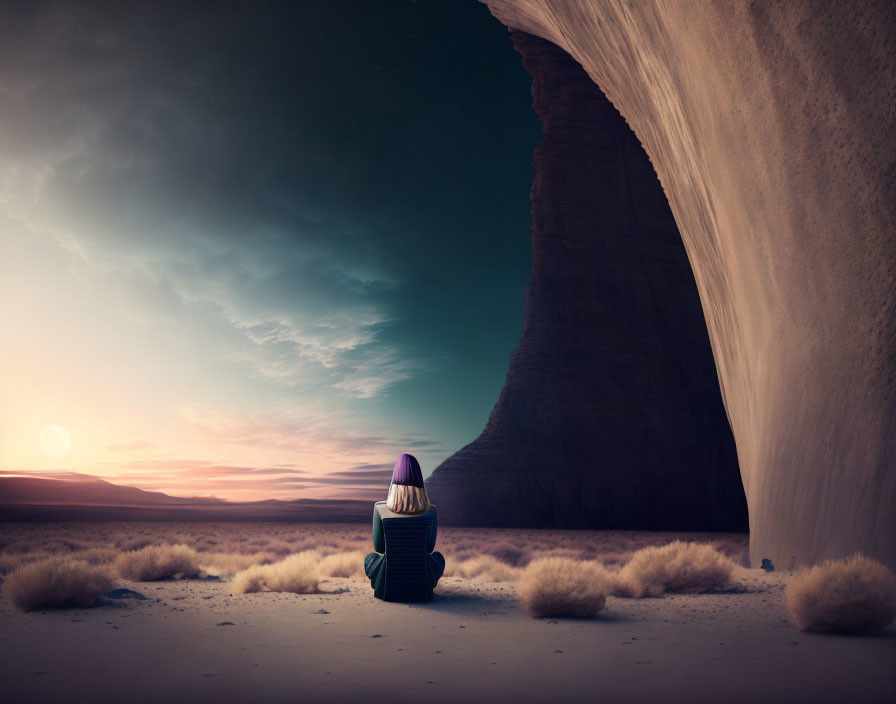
<point x="131" y="446"/>
<point x="298" y="434"/>
<point x="246" y="484"/>
<point x="220" y="278"/>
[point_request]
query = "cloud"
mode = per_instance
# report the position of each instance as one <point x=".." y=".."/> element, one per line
<point x="251" y="482"/>
<point x="131" y="446"/>
<point x="165" y="347"/>
<point x="224" y="470"/>
<point x="49" y="474"/>
<point x="348" y="476"/>
<point x="245" y="484"/>
<point x="221" y="230"/>
<point x="372" y="467"/>
<point x="425" y="444"/>
<point x="328" y="465"/>
<point x="293" y="291"/>
<point x="297" y="432"/>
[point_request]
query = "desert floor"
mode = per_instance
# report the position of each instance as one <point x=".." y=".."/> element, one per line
<point x="193" y="640"/>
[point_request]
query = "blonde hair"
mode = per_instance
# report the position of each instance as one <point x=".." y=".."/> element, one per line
<point x="404" y="498"/>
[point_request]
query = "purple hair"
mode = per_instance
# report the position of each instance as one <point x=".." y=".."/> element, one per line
<point x="407" y="471"/>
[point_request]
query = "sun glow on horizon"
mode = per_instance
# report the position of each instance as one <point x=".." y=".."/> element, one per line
<point x="55" y="441"/>
<point x="247" y="323"/>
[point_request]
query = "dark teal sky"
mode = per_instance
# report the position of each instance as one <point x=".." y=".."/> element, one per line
<point x="314" y="210"/>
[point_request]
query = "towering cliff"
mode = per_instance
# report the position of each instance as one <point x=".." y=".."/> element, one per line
<point x="771" y="126"/>
<point x="611" y="415"/>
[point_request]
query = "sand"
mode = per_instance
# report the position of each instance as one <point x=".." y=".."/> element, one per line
<point x="474" y="643"/>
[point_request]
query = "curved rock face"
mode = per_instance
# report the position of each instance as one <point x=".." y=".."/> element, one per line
<point x="771" y="126"/>
<point x="611" y="416"/>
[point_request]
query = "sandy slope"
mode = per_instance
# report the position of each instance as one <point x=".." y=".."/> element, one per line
<point x="473" y="644"/>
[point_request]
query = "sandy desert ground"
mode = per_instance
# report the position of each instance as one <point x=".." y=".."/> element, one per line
<point x="197" y="640"/>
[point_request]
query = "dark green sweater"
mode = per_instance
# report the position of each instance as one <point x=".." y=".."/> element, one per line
<point x="380" y="510"/>
<point x="412" y="535"/>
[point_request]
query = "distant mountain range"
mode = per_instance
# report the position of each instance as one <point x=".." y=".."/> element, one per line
<point x="83" y="498"/>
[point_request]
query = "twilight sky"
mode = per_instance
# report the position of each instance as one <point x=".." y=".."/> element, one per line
<point x="257" y="250"/>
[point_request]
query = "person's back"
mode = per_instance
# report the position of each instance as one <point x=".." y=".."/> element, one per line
<point x="404" y="566"/>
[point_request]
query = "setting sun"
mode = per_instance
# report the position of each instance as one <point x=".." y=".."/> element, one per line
<point x="55" y="441"/>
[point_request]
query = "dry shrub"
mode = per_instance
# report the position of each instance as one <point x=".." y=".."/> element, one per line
<point x="98" y="556"/>
<point x="558" y="586"/>
<point x="333" y="564"/>
<point x="278" y="547"/>
<point x="461" y="555"/>
<point x="451" y="564"/>
<point x="343" y="564"/>
<point x="486" y="568"/>
<point x="23" y="547"/>
<point x="851" y="595"/>
<point x="219" y="563"/>
<point x="57" y="582"/>
<point x="304" y="546"/>
<point x="689" y="568"/>
<point x="299" y="573"/>
<point x="577" y="554"/>
<point x="134" y="544"/>
<point x="9" y="562"/>
<point x="156" y="562"/>
<point x="616" y="558"/>
<point x="509" y="554"/>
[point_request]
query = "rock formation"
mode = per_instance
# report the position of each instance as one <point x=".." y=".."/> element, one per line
<point x="771" y="126"/>
<point x="611" y="415"/>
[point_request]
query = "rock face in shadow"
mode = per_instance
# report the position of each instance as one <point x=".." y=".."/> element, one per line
<point x="771" y="126"/>
<point x="611" y="416"/>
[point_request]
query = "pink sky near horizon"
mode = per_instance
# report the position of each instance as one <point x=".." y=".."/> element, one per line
<point x="212" y="456"/>
<point x="159" y="406"/>
<point x="175" y="401"/>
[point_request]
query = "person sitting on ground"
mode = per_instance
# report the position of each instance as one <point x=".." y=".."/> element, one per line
<point x="404" y="566"/>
